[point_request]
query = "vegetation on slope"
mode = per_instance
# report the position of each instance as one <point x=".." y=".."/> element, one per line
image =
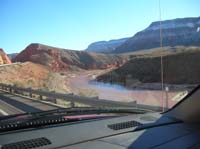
<point x="180" y="66"/>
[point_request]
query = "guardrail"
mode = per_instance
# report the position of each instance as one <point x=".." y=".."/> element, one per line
<point x="17" y="63"/>
<point x="91" y="101"/>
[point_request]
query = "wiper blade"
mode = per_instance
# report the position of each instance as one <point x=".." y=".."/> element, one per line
<point x="72" y="111"/>
<point x="14" y="116"/>
<point x="36" y="123"/>
<point x="89" y="110"/>
<point x="62" y="115"/>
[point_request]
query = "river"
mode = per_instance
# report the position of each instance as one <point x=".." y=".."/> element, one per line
<point x="81" y="84"/>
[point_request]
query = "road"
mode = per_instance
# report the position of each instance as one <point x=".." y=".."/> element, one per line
<point x="13" y="104"/>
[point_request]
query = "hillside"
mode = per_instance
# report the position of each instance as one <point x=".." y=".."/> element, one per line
<point x="32" y="75"/>
<point x="180" y="67"/>
<point x="4" y="59"/>
<point x="61" y="59"/>
<point x="106" y="46"/>
<point x="176" y="32"/>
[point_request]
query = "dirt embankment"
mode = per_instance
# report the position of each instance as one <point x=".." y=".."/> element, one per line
<point x="32" y="75"/>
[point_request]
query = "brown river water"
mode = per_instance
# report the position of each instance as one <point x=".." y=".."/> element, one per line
<point x="108" y="91"/>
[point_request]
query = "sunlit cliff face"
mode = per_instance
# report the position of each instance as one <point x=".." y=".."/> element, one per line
<point x="4" y="59"/>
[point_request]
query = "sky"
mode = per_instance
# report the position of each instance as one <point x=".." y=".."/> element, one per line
<point x="74" y="24"/>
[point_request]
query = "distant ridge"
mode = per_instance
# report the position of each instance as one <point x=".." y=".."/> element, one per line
<point x="176" y="32"/>
<point x="12" y="55"/>
<point x="105" y="46"/>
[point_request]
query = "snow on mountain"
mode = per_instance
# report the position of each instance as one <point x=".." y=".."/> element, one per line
<point x="105" y="46"/>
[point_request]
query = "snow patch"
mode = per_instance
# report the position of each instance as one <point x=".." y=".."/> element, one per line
<point x="171" y="25"/>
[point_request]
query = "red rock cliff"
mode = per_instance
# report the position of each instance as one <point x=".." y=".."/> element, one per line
<point x="4" y="59"/>
<point x="61" y="59"/>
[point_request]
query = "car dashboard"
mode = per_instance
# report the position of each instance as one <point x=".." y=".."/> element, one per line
<point x="151" y="130"/>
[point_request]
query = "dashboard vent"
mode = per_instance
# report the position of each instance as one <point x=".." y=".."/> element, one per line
<point x="33" y="143"/>
<point x="124" y="125"/>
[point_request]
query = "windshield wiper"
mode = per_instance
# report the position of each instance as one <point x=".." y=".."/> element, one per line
<point x="38" y="119"/>
<point x="77" y="110"/>
<point x="34" y="123"/>
<point x="89" y="110"/>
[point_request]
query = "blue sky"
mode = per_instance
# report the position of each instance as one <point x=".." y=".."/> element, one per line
<point x="74" y="24"/>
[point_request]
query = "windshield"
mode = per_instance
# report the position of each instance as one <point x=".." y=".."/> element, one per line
<point x="122" y="54"/>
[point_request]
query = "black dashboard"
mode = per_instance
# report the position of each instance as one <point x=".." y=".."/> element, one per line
<point x="150" y="130"/>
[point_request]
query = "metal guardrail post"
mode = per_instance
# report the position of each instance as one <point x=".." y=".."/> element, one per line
<point x="72" y="104"/>
<point x="51" y="99"/>
<point x="31" y="95"/>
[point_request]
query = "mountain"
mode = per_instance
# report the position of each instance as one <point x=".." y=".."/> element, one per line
<point x="177" y="32"/>
<point x="105" y="46"/>
<point x="61" y="59"/>
<point x="4" y="59"/>
<point x="180" y="66"/>
<point x="12" y="55"/>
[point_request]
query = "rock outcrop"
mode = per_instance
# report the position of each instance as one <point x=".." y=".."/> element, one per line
<point x="4" y="59"/>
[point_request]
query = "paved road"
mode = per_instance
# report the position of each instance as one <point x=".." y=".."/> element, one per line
<point x="13" y="104"/>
